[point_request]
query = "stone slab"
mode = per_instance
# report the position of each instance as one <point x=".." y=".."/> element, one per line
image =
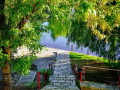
<point x="50" y="87"/>
<point x="23" y="80"/>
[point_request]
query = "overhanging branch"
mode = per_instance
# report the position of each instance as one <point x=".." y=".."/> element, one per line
<point x="26" y="18"/>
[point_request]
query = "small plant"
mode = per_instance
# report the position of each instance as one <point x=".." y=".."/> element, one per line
<point x="32" y="85"/>
<point x="46" y="71"/>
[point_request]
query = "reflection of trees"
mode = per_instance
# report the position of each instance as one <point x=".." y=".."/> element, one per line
<point x="84" y="37"/>
<point x="59" y="27"/>
<point x="95" y="24"/>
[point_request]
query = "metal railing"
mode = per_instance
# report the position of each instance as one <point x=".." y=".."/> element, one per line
<point x="44" y="75"/>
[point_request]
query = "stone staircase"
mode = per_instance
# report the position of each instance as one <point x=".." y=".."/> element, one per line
<point x="62" y="78"/>
<point x="63" y="81"/>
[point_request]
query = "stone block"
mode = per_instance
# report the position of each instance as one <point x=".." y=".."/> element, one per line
<point x="61" y="81"/>
<point x="56" y="84"/>
<point x="54" y="80"/>
<point x="62" y="76"/>
<point x="68" y="81"/>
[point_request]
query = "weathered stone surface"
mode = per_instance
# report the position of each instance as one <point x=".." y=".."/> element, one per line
<point x="26" y="79"/>
<point x="62" y="78"/>
<point x="50" y="87"/>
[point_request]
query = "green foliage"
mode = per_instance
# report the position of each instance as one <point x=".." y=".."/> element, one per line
<point x="63" y="27"/>
<point x="22" y="20"/>
<point x="3" y="58"/>
<point x="22" y="64"/>
<point x="93" y="74"/>
<point x="88" y="57"/>
<point x="83" y="57"/>
<point x="98" y="13"/>
<point x="32" y="85"/>
<point x="42" y="71"/>
<point x="99" y="32"/>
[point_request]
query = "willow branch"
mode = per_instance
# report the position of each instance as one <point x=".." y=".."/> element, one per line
<point x="26" y="18"/>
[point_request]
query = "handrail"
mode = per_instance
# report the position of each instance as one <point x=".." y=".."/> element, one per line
<point x="103" y="69"/>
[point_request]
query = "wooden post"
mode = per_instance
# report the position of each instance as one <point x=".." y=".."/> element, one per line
<point x="81" y="77"/>
<point x="38" y="80"/>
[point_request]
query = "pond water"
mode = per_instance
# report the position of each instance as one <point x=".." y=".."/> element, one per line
<point x="61" y="42"/>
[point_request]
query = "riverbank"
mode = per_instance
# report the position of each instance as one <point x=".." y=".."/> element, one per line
<point x="96" y="75"/>
<point x="47" y="56"/>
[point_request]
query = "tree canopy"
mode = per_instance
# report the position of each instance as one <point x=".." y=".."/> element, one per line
<point x="96" y="25"/>
<point x="20" y="22"/>
<point x="20" y="25"/>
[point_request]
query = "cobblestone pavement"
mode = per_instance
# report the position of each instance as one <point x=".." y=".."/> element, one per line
<point x="62" y="78"/>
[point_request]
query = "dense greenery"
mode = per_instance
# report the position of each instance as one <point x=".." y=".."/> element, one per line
<point x="20" y="25"/>
<point x="96" y="20"/>
<point x="20" y="21"/>
<point x="96" y="25"/>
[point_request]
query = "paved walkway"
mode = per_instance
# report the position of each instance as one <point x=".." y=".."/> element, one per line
<point x="62" y="78"/>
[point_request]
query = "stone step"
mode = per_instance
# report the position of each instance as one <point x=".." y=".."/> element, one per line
<point x="57" y="76"/>
<point x="51" y="87"/>
<point x="62" y="80"/>
<point x="24" y="80"/>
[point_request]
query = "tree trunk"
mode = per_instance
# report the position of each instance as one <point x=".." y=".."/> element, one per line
<point x="7" y="85"/>
<point x="6" y="77"/>
<point x="6" y="69"/>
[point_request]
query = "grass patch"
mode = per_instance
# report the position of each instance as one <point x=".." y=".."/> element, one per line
<point x="44" y="70"/>
<point x="96" y="75"/>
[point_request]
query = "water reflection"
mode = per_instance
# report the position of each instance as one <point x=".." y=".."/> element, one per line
<point x="63" y="35"/>
<point x="61" y="42"/>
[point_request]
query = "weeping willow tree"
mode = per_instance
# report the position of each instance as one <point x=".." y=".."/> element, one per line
<point x="20" y="22"/>
<point x="96" y="24"/>
<point x="59" y="27"/>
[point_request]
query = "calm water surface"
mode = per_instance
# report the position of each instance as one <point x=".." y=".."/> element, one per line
<point x="61" y="42"/>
